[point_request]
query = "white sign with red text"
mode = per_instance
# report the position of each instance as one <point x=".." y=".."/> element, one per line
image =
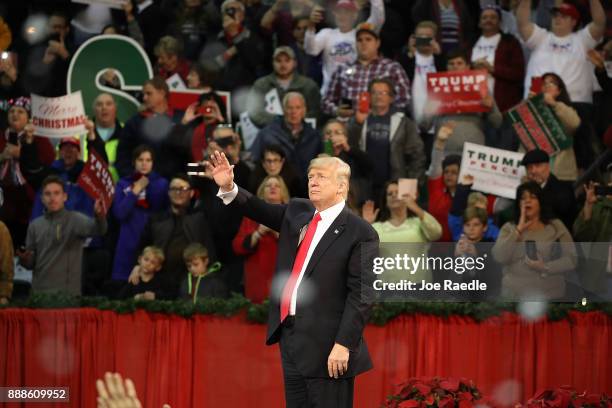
<point x="495" y="171"/>
<point x="59" y="117"/>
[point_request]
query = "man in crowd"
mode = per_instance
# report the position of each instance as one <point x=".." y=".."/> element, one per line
<point x="54" y="243"/>
<point x="226" y="140"/>
<point x="468" y="127"/>
<point x="562" y="50"/>
<point x="297" y="138"/>
<point x="105" y="131"/>
<point x="338" y="44"/>
<point x="558" y="193"/>
<point x="240" y="59"/>
<point x="47" y="64"/>
<point x="423" y="57"/>
<point x="389" y="138"/>
<point x="501" y="56"/>
<point x="352" y="79"/>
<point x="268" y="91"/>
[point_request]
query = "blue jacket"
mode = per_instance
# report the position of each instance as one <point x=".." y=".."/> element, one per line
<point x="78" y="200"/>
<point x="133" y="219"/>
<point x="308" y="146"/>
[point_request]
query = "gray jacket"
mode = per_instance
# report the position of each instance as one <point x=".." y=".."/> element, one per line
<point x="57" y="242"/>
<point x="469" y="127"/>
<point x="304" y="85"/>
<point x="407" y="149"/>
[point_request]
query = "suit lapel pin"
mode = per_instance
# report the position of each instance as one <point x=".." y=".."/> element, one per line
<point x="336" y="231"/>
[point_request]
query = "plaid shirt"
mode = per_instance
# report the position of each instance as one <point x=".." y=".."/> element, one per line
<point x="351" y="79"/>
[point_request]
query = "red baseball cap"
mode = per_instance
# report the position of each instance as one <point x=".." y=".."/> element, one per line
<point x="567" y="9"/>
<point x="346" y="4"/>
<point x="70" y="140"/>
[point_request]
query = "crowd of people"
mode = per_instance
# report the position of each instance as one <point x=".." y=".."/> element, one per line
<point x="342" y="78"/>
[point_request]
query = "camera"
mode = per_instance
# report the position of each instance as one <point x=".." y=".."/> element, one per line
<point x="423" y="41"/>
<point x="530" y="250"/>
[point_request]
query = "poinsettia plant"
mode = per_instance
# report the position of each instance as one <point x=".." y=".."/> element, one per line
<point x="425" y="392"/>
<point x="568" y="397"/>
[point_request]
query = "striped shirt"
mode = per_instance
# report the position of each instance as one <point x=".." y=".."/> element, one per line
<point x="350" y="80"/>
<point x="449" y="27"/>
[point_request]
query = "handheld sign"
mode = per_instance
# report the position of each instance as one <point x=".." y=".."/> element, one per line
<point x="58" y="117"/>
<point x="96" y="180"/>
<point x="458" y="92"/>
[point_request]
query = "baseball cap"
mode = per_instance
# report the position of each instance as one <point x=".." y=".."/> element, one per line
<point x="346" y="4"/>
<point x="567" y="9"/>
<point x="368" y="28"/>
<point x="70" y="140"/>
<point x="284" y="50"/>
<point x="535" y="156"/>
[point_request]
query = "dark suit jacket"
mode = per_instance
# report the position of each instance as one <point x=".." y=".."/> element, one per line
<point x="330" y="306"/>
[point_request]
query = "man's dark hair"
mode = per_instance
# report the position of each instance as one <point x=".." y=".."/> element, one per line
<point x="61" y="14"/>
<point x="158" y="83"/>
<point x="385" y="81"/>
<point x="450" y="160"/>
<point x="53" y="179"/>
<point x="273" y="148"/>
<point x="140" y="150"/>
<point x="184" y="177"/>
<point x="458" y="53"/>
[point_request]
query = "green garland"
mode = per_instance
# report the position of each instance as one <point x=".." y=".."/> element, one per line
<point x="258" y="313"/>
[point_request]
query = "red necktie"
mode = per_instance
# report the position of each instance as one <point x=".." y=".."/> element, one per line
<point x="300" y="258"/>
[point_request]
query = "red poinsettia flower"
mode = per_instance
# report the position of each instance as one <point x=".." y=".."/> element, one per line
<point x="450" y="384"/>
<point x="409" y="404"/>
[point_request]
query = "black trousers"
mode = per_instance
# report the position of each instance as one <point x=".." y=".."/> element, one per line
<point x="307" y="392"/>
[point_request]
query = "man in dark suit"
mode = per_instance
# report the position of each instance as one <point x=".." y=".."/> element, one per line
<point x="320" y="298"/>
<point x="560" y="194"/>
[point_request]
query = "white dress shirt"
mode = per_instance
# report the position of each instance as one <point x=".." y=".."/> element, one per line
<point x="328" y="216"/>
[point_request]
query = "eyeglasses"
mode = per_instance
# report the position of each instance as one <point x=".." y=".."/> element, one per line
<point x="224" y="126"/>
<point x="179" y="190"/>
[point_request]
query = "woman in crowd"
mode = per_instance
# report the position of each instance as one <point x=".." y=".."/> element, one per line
<point x="137" y="196"/>
<point x="535" y="250"/>
<point x="22" y="157"/>
<point x="201" y="78"/>
<point x="401" y="220"/>
<point x="259" y="243"/>
<point x="335" y="140"/>
<point x="556" y="96"/>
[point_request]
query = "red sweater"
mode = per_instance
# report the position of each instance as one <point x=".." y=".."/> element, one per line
<point x="440" y="202"/>
<point x="509" y="72"/>
<point x="260" y="262"/>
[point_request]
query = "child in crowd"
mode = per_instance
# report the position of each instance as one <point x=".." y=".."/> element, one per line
<point x="150" y="284"/>
<point x="201" y="281"/>
<point x="466" y="198"/>
<point x="474" y="243"/>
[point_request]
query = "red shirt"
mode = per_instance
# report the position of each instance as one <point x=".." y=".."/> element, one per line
<point x="260" y="262"/>
<point x="440" y="202"/>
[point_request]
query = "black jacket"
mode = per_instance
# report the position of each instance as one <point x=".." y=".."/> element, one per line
<point x="340" y="304"/>
<point x="560" y="196"/>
